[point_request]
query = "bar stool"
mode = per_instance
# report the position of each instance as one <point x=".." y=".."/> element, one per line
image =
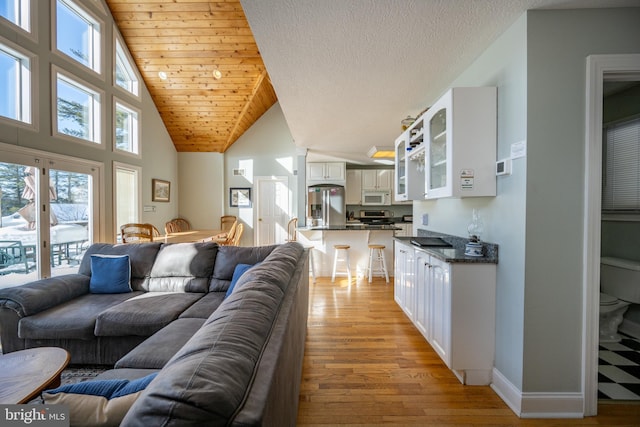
<point x="376" y="255"/>
<point x="337" y="249"/>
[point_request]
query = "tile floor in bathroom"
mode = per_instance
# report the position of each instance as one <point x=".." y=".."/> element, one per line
<point x="619" y="370"/>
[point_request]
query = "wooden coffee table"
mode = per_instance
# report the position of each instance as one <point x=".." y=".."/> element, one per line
<point x="26" y="373"/>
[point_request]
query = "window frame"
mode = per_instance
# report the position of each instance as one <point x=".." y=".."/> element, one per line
<point x="28" y="18"/>
<point x="130" y="66"/>
<point x="136" y="132"/>
<point x="98" y="118"/>
<point x="29" y="86"/>
<point x="97" y="32"/>
<point x="609" y="191"/>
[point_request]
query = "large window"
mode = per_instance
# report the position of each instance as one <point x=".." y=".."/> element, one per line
<point x="125" y="76"/>
<point x="621" y="186"/>
<point x="15" y="84"/>
<point x="126" y="128"/>
<point x="78" y="34"/>
<point x="16" y="12"/>
<point x="77" y="109"/>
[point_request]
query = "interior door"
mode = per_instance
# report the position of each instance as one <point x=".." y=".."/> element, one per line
<point x="272" y="209"/>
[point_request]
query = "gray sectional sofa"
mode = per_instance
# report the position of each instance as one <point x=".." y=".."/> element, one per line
<point x="221" y="359"/>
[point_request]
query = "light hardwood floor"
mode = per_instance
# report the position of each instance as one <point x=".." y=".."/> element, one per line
<point x="366" y="364"/>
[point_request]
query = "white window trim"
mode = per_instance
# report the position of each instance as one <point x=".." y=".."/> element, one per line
<point x="32" y="86"/>
<point x="117" y="38"/>
<point x="138" y="130"/>
<point x="97" y="119"/>
<point x="98" y="37"/>
<point x="138" y="172"/>
<point x="28" y="27"/>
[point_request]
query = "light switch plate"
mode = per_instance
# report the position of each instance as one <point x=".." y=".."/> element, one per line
<point x="425" y="219"/>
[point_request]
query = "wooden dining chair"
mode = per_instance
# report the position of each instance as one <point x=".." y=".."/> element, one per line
<point x="177" y="225"/>
<point x="237" y="235"/>
<point x="226" y="222"/>
<point x="227" y="238"/>
<point x="137" y="233"/>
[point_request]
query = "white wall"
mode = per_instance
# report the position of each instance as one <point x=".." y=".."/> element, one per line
<point x="201" y="189"/>
<point x="265" y="149"/>
<point x="159" y="157"/>
<point x="558" y="44"/>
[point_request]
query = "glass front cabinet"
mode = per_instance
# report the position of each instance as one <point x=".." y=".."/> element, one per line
<point x="450" y="151"/>
<point x="461" y="138"/>
<point x="409" y="179"/>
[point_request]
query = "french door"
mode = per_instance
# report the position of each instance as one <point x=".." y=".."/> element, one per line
<point x="49" y="212"/>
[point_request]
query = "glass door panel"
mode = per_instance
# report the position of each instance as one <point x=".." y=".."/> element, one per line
<point x="70" y="202"/>
<point x="438" y="150"/>
<point x="18" y="233"/>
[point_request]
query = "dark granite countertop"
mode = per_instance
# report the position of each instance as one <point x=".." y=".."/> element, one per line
<point x="352" y="227"/>
<point x="454" y="254"/>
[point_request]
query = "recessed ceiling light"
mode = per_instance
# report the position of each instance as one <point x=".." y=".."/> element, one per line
<point x="217" y="74"/>
<point x="162" y="75"/>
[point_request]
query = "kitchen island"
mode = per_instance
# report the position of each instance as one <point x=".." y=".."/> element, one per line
<point x="358" y="236"/>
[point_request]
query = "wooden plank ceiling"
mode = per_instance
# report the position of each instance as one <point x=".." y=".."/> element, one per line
<point x="189" y="40"/>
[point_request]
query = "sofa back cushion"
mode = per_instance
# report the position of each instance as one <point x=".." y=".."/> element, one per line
<point x="183" y="267"/>
<point x="141" y="256"/>
<point x="229" y="257"/>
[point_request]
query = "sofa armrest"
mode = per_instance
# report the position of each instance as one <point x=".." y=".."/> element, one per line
<point x="40" y="295"/>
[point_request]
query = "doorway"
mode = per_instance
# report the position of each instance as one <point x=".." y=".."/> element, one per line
<point x="600" y="68"/>
<point x="273" y="209"/>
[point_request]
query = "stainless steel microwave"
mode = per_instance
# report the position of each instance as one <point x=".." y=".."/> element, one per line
<point x="376" y="198"/>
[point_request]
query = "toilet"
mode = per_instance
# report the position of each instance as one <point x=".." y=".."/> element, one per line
<point x="619" y="288"/>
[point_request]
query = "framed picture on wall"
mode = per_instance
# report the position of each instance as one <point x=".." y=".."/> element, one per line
<point x="240" y="197"/>
<point x="160" y="190"/>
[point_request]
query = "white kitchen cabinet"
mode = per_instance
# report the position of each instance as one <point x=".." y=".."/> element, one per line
<point x="377" y="179"/>
<point x="409" y="174"/>
<point x="422" y="272"/>
<point x="326" y="172"/>
<point x="460" y="142"/>
<point x="403" y="278"/>
<point x="453" y="306"/>
<point x="354" y="187"/>
<point x="439" y="290"/>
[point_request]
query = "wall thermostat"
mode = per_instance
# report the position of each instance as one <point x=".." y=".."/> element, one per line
<point x="503" y="167"/>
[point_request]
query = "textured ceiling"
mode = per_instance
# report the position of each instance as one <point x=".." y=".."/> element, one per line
<point x="347" y="72"/>
<point x="189" y="40"/>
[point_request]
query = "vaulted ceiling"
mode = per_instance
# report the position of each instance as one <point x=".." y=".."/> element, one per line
<point x="188" y="41"/>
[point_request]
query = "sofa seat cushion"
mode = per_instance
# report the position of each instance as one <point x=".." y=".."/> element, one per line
<point x="75" y="319"/>
<point x="183" y="267"/>
<point x="143" y="315"/>
<point x="156" y="350"/>
<point x="206" y="305"/>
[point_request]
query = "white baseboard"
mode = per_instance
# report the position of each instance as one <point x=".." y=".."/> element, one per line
<point x="538" y="405"/>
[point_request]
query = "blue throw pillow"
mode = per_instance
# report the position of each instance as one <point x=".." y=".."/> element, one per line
<point x="99" y="402"/>
<point x="237" y="272"/>
<point x="110" y="274"/>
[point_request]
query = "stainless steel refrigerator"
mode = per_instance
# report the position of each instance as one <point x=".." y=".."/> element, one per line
<point x="326" y="206"/>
